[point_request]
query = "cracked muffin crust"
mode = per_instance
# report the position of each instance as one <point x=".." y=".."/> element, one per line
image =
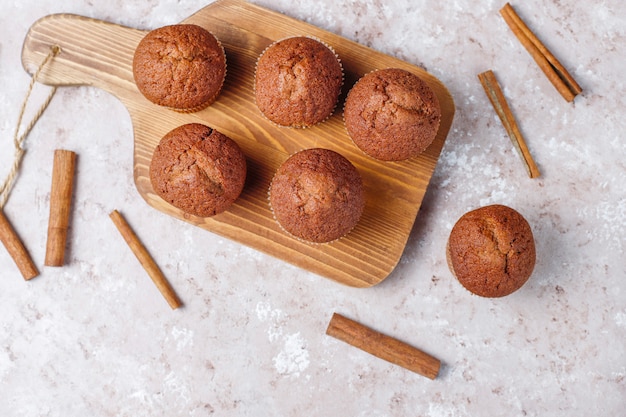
<point x="297" y="82"/>
<point x="198" y="169"/>
<point x="392" y="114"/>
<point x="491" y="251"/>
<point x="317" y="195"/>
<point x="180" y="66"/>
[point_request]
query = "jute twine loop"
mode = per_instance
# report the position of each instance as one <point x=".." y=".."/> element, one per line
<point x="18" y="139"/>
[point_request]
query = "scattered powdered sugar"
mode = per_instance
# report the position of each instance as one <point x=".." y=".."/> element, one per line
<point x="294" y="358"/>
<point x="620" y="319"/>
<point x="174" y="393"/>
<point x="264" y="313"/>
<point x="441" y="410"/>
<point x="610" y="226"/>
<point x="177" y="390"/>
<point x="183" y="338"/>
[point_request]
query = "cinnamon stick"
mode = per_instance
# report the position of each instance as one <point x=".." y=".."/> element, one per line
<point x="16" y="249"/>
<point x="145" y="259"/>
<point x="60" y="204"/>
<point x="500" y="105"/>
<point x="382" y="346"/>
<point x="551" y="67"/>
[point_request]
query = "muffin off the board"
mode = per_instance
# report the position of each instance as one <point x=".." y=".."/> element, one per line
<point x="198" y="169"/>
<point x="181" y="67"/>
<point x="317" y="195"/>
<point x="392" y="114"/>
<point x="491" y="251"/>
<point x="297" y="82"/>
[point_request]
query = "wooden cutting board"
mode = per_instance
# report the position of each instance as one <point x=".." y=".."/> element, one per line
<point x="98" y="53"/>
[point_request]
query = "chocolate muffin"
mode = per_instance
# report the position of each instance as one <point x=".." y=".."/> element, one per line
<point x="317" y="195"/>
<point x="297" y="82"/>
<point x="491" y="251"/>
<point x="198" y="169"/>
<point x="181" y="67"/>
<point x="392" y="114"/>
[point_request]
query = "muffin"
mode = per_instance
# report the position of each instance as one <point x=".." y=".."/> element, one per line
<point x="181" y="67"/>
<point x="198" y="169"/>
<point x="491" y="251"/>
<point x="297" y="82"/>
<point x="317" y="195"/>
<point x="392" y="114"/>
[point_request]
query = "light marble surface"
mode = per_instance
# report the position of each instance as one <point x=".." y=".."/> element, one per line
<point x="95" y="338"/>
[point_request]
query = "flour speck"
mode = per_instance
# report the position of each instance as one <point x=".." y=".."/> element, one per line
<point x="294" y="358"/>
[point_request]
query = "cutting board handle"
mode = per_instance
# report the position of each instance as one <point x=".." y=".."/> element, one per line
<point x="92" y="52"/>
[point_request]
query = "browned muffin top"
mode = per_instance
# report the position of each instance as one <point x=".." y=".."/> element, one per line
<point x="317" y="195"/>
<point x="180" y="66"/>
<point x="198" y="169"/>
<point x="491" y="251"/>
<point x="392" y="114"/>
<point x="297" y="82"/>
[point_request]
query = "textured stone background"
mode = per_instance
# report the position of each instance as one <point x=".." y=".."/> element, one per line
<point x="95" y="337"/>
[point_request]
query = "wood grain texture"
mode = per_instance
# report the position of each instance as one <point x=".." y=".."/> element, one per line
<point x="101" y="56"/>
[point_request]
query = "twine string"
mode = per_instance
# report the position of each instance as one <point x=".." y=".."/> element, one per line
<point x="18" y="139"/>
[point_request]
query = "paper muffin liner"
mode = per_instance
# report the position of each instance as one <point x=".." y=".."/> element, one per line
<point x="213" y="98"/>
<point x="449" y="259"/>
<point x="287" y="232"/>
<point x="330" y="48"/>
